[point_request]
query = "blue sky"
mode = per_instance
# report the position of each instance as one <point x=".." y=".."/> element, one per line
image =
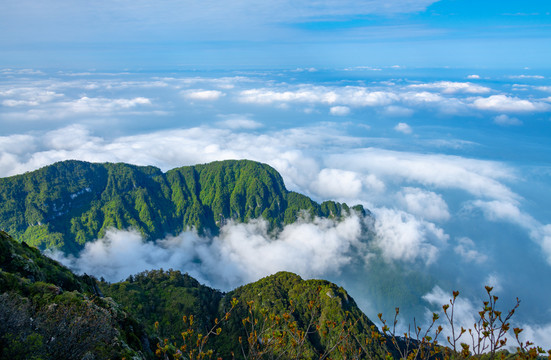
<point x="221" y="34"/>
<point x="435" y="115"/>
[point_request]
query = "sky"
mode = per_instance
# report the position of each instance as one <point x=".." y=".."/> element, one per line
<point x="168" y="34"/>
<point x="434" y="115"/>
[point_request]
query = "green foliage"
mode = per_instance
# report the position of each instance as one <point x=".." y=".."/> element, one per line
<point x="162" y="297"/>
<point x="316" y="314"/>
<point x="47" y="312"/>
<point x="69" y="203"/>
<point x="27" y="262"/>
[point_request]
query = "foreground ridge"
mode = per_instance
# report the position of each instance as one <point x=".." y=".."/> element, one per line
<point x="48" y="312"/>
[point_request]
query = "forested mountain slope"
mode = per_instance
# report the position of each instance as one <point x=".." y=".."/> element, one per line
<point x="68" y="203"/>
<point x="47" y="312"/>
<point x="277" y="309"/>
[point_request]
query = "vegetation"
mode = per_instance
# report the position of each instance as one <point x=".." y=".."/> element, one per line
<point x="162" y="297"/>
<point x="71" y="202"/>
<point x="47" y="312"/>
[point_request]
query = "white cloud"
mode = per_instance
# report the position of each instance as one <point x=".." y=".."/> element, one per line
<point x="539" y="334"/>
<point x="542" y="235"/>
<point x="527" y="77"/>
<point x="425" y="99"/>
<point x="310" y="69"/>
<point x="374" y="184"/>
<point x="241" y="253"/>
<point x="339" y="110"/>
<point x="503" y="210"/>
<point x="464" y="312"/>
<point x="473" y="76"/>
<point x="403" y="128"/>
<point x="21" y="72"/>
<point x="73" y="137"/>
<point x="478" y="177"/>
<point x="27" y="96"/>
<point x="86" y="104"/>
<point x="494" y="281"/>
<point x="344" y="96"/>
<point x="400" y="236"/>
<point x="425" y="204"/>
<point x="238" y="122"/>
<point x="397" y="111"/>
<point x="422" y="97"/>
<point x="505" y="120"/>
<point x="503" y="103"/>
<point x="465" y="315"/>
<point x="466" y="248"/>
<point x="338" y="184"/>
<point x="285" y="150"/>
<point x="83" y="106"/>
<point x="450" y="87"/>
<point x="499" y="210"/>
<point x="203" y="95"/>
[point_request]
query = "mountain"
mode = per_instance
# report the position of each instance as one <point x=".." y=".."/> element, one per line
<point x="324" y="312"/>
<point x="68" y="203"/>
<point x="47" y="312"/>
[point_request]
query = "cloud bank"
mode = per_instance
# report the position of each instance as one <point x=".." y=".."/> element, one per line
<point x="449" y="200"/>
<point x="242" y="253"/>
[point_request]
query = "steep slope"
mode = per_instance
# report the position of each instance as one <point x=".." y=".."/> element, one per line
<point x="70" y="202"/>
<point x="164" y="297"/>
<point x="320" y="311"/>
<point x="47" y="312"/>
<point x="324" y="312"/>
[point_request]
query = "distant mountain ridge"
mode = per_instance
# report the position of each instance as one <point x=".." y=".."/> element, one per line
<point x="68" y="203"/>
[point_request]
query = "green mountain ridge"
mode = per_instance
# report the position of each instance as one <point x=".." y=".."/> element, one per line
<point x="68" y="203"/>
<point x="47" y="312"/>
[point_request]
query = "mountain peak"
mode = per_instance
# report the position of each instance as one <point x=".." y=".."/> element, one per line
<point x="66" y="204"/>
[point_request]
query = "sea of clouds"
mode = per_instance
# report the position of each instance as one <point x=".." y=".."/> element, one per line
<point x="438" y="208"/>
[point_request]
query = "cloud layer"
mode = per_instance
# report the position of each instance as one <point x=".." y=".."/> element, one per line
<point x="241" y="253"/>
<point x="452" y="195"/>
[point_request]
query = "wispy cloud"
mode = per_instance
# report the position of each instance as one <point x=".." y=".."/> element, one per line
<point x="466" y="248"/>
<point x="350" y="96"/>
<point x="539" y="77"/>
<point x="339" y="110"/>
<point x="403" y="128"/>
<point x="202" y="95"/>
<point x="401" y="236"/>
<point x="501" y="210"/>
<point x="74" y="108"/>
<point x="504" y="103"/>
<point x="450" y="87"/>
<point x="241" y="253"/>
<point x="424" y="204"/>
<point x="505" y="120"/>
<point x="477" y="177"/>
<point x="236" y="121"/>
